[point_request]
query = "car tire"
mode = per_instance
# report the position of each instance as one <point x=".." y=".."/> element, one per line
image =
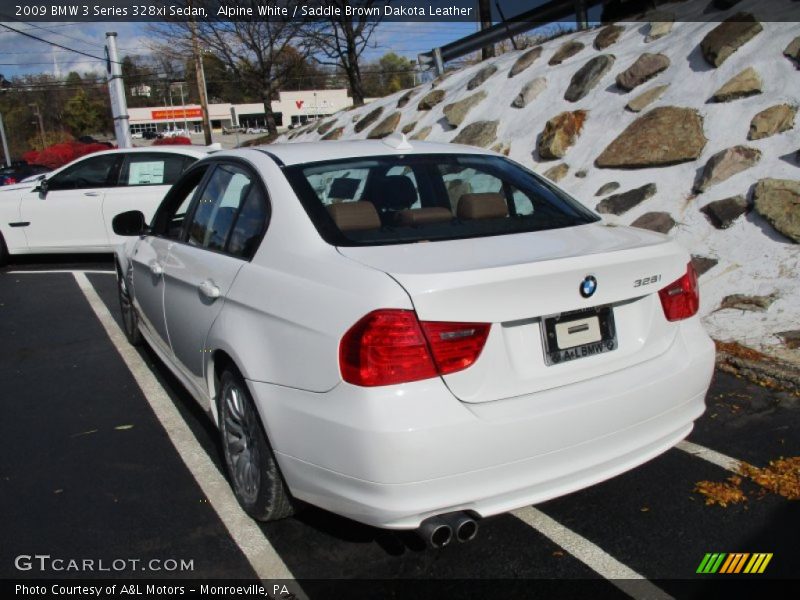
<point x="130" y="320"/>
<point x="253" y="472"/>
<point x="3" y="252"/>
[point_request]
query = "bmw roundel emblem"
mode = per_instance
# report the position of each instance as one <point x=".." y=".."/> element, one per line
<point x="588" y="286"/>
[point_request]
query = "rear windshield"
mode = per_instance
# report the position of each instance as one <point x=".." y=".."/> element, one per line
<point x="429" y="197"/>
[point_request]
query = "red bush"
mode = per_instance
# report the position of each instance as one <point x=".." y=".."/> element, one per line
<point x="60" y="154"/>
<point x="178" y="140"/>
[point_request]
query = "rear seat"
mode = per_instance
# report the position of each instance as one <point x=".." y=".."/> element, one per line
<point x="421" y="216"/>
<point x="487" y="205"/>
<point x="355" y="216"/>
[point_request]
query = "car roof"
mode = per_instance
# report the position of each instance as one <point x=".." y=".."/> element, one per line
<point x="191" y="150"/>
<point x="307" y="152"/>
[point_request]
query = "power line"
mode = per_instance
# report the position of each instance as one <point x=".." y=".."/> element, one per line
<point x="52" y="43"/>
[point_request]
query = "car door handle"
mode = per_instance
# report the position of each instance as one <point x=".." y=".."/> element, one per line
<point x="91" y="193"/>
<point x="156" y="269"/>
<point x="209" y="290"/>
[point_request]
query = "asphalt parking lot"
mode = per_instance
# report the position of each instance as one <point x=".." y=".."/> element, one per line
<point x="104" y="457"/>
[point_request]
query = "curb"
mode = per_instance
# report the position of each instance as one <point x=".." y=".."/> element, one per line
<point x="759" y="368"/>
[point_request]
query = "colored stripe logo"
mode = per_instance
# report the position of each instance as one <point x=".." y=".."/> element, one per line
<point x="735" y="562"/>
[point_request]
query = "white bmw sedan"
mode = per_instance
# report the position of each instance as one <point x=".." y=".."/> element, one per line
<point x="70" y="209"/>
<point x="412" y="336"/>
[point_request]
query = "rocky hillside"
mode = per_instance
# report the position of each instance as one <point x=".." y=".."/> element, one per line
<point x="685" y="128"/>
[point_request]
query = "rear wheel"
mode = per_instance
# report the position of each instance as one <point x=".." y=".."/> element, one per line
<point x="254" y="473"/>
<point x="130" y="320"/>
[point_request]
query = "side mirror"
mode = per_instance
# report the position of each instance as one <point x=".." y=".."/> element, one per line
<point x="129" y="223"/>
<point x="42" y="187"/>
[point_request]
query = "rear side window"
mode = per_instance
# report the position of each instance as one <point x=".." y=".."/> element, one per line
<point x="231" y="213"/>
<point x="428" y="197"/>
<point x="153" y="169"/>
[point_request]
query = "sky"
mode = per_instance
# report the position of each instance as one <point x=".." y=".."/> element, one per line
<point x="22" y="55"/>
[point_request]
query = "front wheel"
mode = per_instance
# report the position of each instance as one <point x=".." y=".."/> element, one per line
<point x="3" y="252"/>
<point x="254" y="473"/>
<point x="130" y="320"/>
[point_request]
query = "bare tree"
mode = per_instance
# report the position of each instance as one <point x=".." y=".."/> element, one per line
<point x="485" y="16"/>
<point x="259" y="54"/>
<point x="339" y="42"/>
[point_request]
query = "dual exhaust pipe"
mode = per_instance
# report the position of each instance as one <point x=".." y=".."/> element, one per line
<point x="440" y="530"/>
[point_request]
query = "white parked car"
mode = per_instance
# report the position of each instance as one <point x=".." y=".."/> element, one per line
<point x="412" y="337"/>
<point x="70" y="209"/>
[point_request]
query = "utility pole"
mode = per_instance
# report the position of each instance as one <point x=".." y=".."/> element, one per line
<point x="201" y="81"/>
<point x="6" y="155"/>
<point x="38" y="114"/>
<point x="116" y="90"/>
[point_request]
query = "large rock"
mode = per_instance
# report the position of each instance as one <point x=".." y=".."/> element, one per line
<point x="482" y="76"/>
<point x="778" y="201"/>
<point x="772" y="120"/>
<point x="385" y="127"/>
<point x="745" y="302"/>
<point x="405" y="98"/>
<point x="408" y="127"/>
<point x="722" y="213"/>
<point x="525" y="61"/>
<point x="703" y="264"/>
<point x="792" y="51"/>
<point x="727" y="37"/>
<point x="326" y="127"/>
<point x="567" y="50"/>
<point x="747" y="83"/>
<point x="560" y="133"/>
<point x="661" y="222"/>
<point x="430" y="100"/>
<point x="529" y="92"/>
<point x="726" y="164"/>
<point x="557" y="173"/>
<point x="665" y="136"/>
<point x="660" y="26"/>
<point x="791" y="339"/>
<point x="422" y="134"/>
<point x="334" y="134"/>
<point x="645" y="68"/>
<point x="587" y="77"/>
<point x="456" y="113"/>
<point x="646" y="98"/>
<point x="368" y="119"/>
<point x="608" y="35"/>
<point x="607" y="188"/>
<point x="480" y="133"/>
<point x="621" y="203"/>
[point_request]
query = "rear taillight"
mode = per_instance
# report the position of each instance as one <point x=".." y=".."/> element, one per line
<point x="681" y="298"/>
<point x="392" y="346"/>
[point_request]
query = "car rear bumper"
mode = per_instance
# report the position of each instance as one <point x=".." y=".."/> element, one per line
<point x="393" y="456"/>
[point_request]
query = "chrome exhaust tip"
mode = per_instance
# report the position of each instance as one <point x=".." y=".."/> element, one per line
<point x="463" y="525"/>
<point x="435" y="532"/>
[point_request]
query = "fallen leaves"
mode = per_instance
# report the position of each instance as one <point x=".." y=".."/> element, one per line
<point x="781" y="477"/>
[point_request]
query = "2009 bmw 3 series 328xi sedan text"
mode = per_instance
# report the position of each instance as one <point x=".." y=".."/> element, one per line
<point x="412" y="336"/>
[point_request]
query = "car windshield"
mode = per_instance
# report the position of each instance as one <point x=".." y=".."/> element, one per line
<point x="428" y="197"/>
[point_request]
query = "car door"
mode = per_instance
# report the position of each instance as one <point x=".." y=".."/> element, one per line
<point x="223" y="232"/>
<point x="144" y="180"/>
<point x="67" y="215"/>
<point x="152" y="251"/>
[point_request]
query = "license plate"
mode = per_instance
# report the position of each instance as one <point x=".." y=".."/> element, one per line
<point x="578" y="334"/>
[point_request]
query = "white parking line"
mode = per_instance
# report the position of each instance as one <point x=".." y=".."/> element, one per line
<point x="247" y="535"/>
<point x="594" y="557"/>
<point x="712" y="456"/>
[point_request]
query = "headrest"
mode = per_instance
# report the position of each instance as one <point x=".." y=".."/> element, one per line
<point x="420" y="216"/>
<point x="488" y="205"/>
<point x="344" y="188"/>
<point x="393" y="192"/>
<point x="354" y="216"/>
